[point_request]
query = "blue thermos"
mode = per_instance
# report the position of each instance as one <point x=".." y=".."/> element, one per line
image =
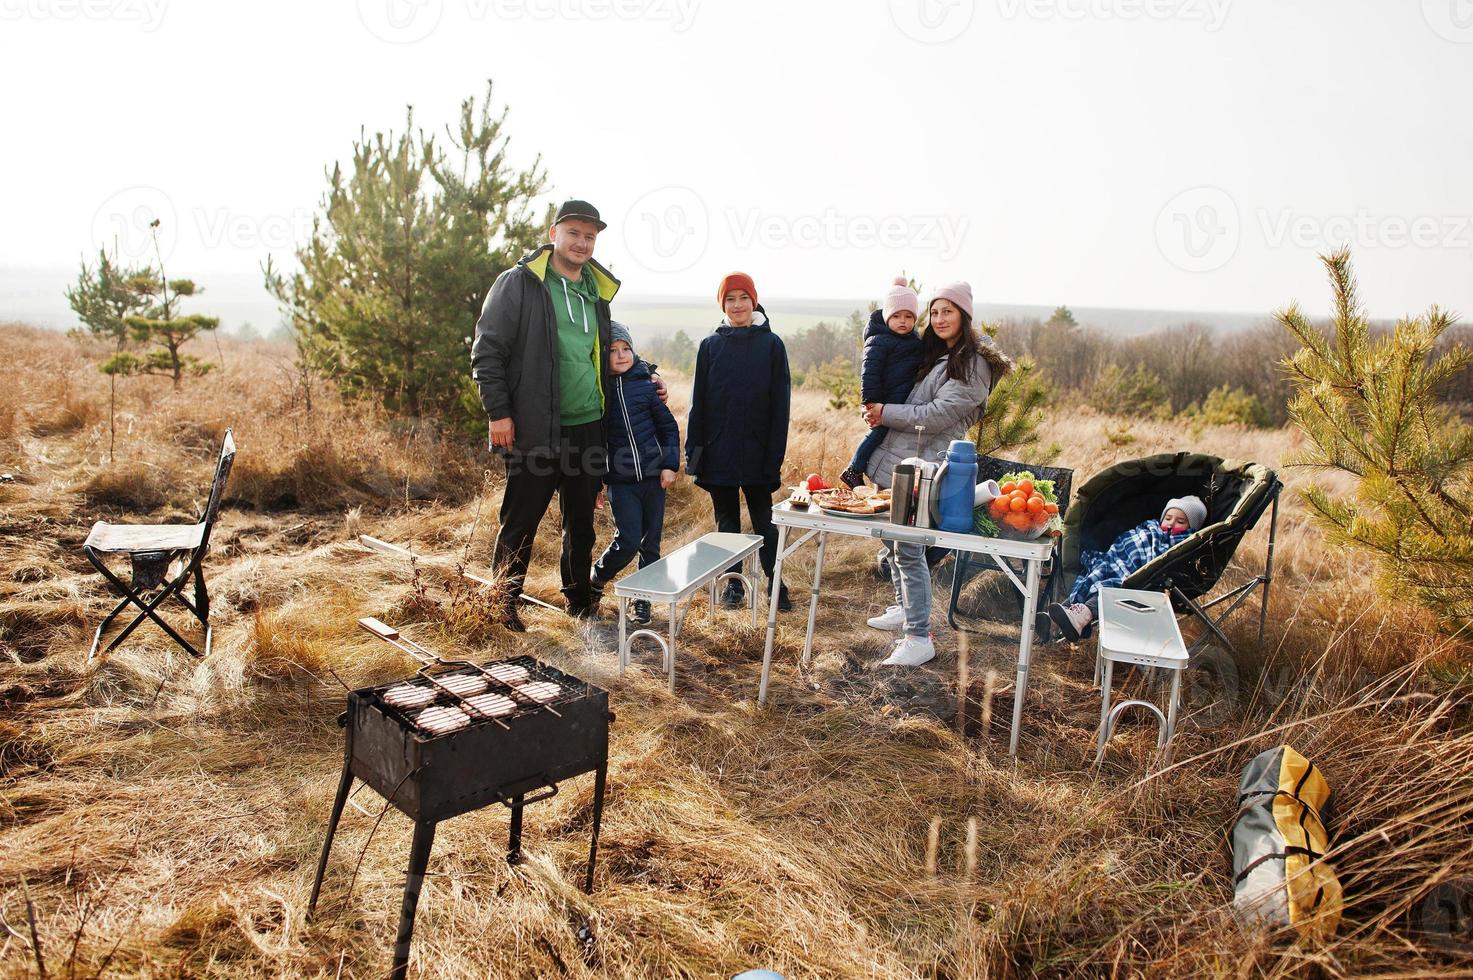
<point x="958" y="485"/>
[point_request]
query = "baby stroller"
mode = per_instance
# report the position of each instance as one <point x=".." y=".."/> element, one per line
<point x="1236" y="493"/>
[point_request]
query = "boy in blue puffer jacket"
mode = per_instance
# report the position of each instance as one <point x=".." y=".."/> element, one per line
<point x="892" y="355"/>
<point x="644" y="455"/>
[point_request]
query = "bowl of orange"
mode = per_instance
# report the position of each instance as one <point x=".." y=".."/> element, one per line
<point x="1026" y="509"/>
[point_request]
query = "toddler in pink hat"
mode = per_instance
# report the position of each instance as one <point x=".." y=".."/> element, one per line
<point x="892" y="355"/>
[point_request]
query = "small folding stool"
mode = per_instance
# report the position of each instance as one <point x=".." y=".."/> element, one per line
<point x="163" y="558"/>
<point x="1138" y="628"/>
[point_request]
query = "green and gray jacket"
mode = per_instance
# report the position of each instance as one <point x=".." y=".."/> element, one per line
<point x="514" y="357"/>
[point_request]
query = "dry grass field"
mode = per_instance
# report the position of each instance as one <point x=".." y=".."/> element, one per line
<point x="161" y="816"/>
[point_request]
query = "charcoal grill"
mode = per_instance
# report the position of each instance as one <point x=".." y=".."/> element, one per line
<point x="492" y="735"/>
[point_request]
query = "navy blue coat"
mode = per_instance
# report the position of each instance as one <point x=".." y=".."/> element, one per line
<point x="738" y="430"/>
<point x="890" y="363"/>
<point x="643" y="436"/>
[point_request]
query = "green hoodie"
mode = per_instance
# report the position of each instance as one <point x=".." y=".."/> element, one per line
<point x="576" y="306"/>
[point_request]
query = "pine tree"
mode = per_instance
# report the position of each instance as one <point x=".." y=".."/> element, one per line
<point x="403" y="254"/>
<point x="1014" y="408"/>
<point x="1371" y="406"/>
<point x="103" y="299"/>
<point x="161" y="328"/>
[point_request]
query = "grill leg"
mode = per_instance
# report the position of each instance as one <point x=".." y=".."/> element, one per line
<point x="598" y="815"/>
<point x="332" y="829"/>
<point x="514" y="842"/>
<point x="419" y="860"/>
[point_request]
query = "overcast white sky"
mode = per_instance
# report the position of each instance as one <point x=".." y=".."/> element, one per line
<point x="1178" y="154"/>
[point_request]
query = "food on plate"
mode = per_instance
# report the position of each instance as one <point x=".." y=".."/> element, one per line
<point x="853" y="501"/>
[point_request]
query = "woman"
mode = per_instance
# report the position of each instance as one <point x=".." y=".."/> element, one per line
<point x="738" y="430"/>
<point x="958" y="369"/>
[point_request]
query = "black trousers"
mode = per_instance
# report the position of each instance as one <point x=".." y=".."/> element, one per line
<point x="727" y="503"/>
<point x="576" y="475"/>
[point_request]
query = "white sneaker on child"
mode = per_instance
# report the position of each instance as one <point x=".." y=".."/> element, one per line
<point x="892" y="618"/>
<point x="911" y="651"/>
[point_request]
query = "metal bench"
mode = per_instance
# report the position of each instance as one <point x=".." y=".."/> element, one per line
<point x="1139" y="628"/>
<point x="701" y="564"/>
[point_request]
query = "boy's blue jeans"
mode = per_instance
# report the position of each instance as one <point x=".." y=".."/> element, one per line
<point x="639" y="521"/>
<point x="867" y="448"/>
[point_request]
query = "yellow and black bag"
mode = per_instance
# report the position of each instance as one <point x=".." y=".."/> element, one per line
<point x="1279" y="843"/>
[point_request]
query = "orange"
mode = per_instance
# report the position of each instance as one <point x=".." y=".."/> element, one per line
<point x="1050" y="508"/>
<point x="1008" y="487"/>
<point x="1035" y="505"/>
<point x="1018" y="522"/>
<point x="998" y="507"/>
<point x="1017" y="503"/>
<point x="1026" y="486"/>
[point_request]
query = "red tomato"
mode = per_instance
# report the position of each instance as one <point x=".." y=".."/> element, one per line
<point x="1026" y="486"/>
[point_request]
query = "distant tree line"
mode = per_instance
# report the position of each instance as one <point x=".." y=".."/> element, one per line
<point x="1190" y="370"/>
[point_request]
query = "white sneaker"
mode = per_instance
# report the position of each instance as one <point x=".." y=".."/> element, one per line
<point x="892" y="618"/>
<point x="911" y="651"/>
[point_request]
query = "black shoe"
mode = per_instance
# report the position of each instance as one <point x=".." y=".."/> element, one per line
<point x="639" y="612"/>
<point x="596" y="588"/>
<point x="784" y="604"/>
<point x="586" y="612"/>
<point x="733" y="596"/>
<point x="511" y="618"/>
<point x="851" y="478"/>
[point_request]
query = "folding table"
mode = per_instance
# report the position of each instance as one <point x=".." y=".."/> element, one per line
<point x="817" y="523"/>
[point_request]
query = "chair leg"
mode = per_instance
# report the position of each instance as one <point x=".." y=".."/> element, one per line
<point x="148" y="608"/>
<point x="1268" y="567"/>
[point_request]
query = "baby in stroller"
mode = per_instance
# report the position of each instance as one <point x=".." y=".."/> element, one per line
<point x="1127" y="553"/>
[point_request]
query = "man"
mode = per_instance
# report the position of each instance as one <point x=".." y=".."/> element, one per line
<point x="540" y="360"/>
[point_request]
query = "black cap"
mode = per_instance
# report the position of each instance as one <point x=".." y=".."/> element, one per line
<point x="581" y="210"/>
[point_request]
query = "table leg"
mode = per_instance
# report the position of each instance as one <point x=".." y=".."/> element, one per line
<point x="777" y="577"/>
<point x="1025" y="652"/>
<point x="813" y="599"/>
<point x="751" y="567"/>
<point x="623" y="637"/>
<point x="1104" y="710"/>
<point x="670" y="656"/>
<point x="1171" y="714"/>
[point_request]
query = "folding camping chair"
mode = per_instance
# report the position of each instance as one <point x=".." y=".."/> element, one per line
<point x="1236" y="493"/>
<point x="968" y="565"/>
<point x="156" y="551"/>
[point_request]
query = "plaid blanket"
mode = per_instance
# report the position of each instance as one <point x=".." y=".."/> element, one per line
<point x="1130" y="551"/>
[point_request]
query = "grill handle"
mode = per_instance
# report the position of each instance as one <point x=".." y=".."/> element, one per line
<point x="544" y="794"/>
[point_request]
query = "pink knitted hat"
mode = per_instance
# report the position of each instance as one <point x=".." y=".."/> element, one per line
<point x="900" y="297"/>
<point x="960" y="295"/>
